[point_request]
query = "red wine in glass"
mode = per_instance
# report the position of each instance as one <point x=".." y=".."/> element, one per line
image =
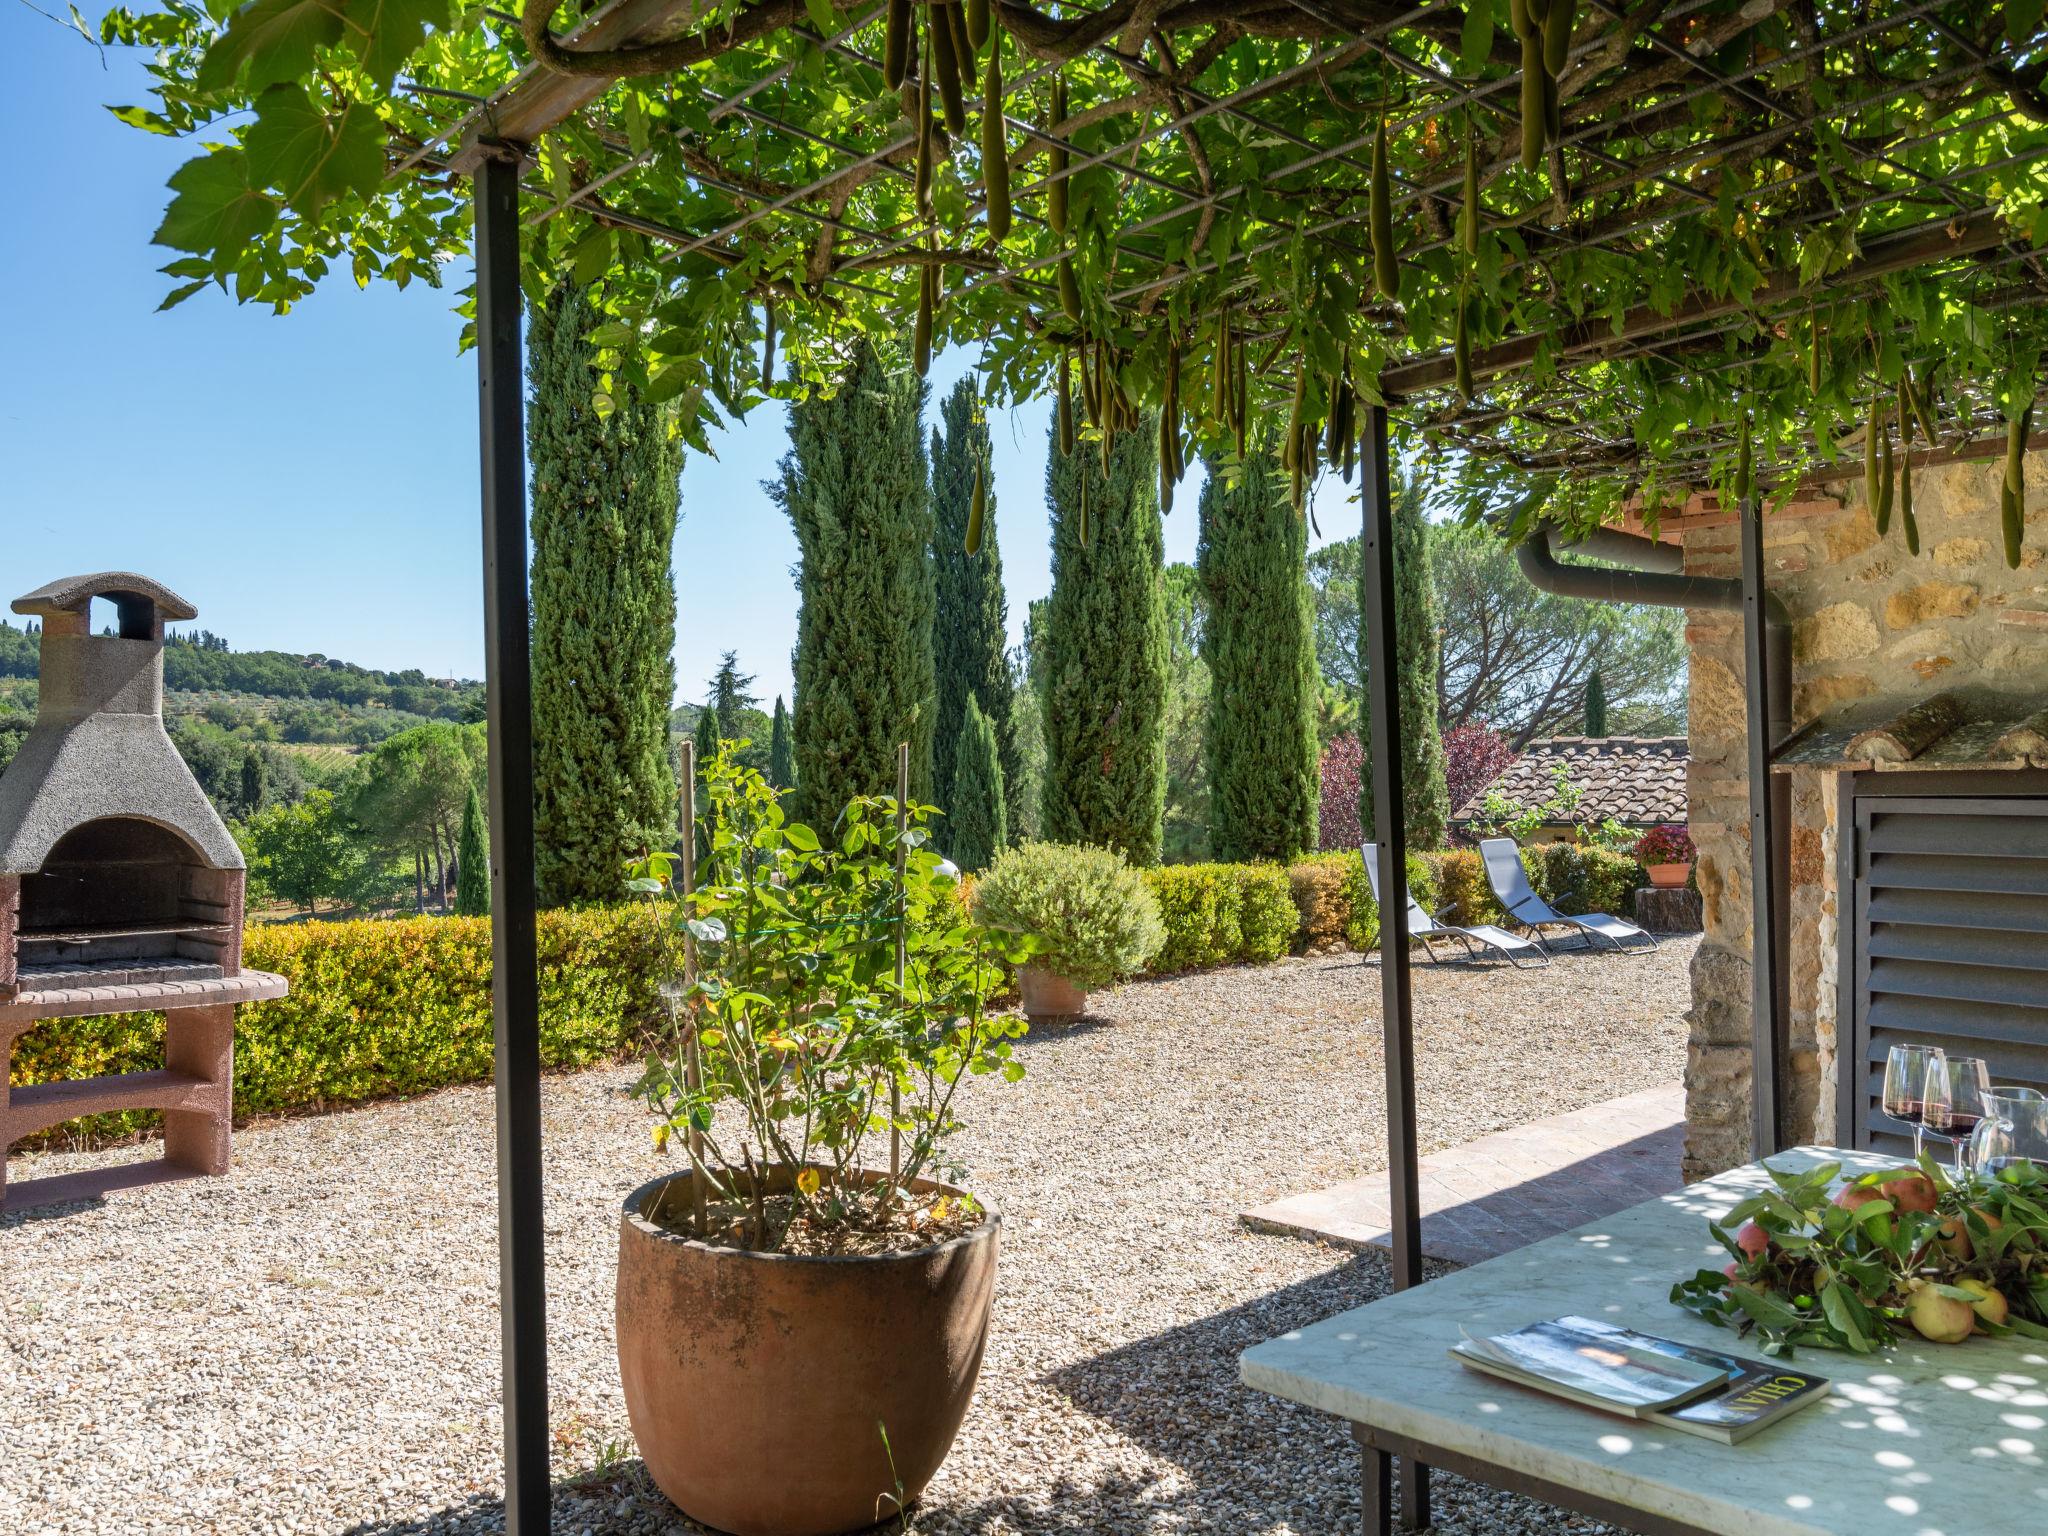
<point x="1961" y="1123"/>
<point x="1912" y="1111"/>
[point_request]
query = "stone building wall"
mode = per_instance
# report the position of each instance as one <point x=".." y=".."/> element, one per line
<point x="1869" y="620"/>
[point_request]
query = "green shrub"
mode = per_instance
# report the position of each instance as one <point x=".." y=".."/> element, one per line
<point x="1362" y="917"/>
<point x="1576" y="877"/>
<point x="1222" y="914"/>
<point x="1322" y="899"/>
<point x="1091" y="911"/>
<point x="380" y="1009"/>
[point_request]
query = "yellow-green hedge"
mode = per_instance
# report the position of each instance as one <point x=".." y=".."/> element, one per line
<point x="1222" y="914"/>
<point x="1333" y="900"/>
<point x="380" y="1009"/>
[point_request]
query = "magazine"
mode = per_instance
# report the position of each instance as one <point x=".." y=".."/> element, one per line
<point x="1659" y="1381"/>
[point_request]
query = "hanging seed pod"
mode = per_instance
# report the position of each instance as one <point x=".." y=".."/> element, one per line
<point x="1557" y="37"/>
<point x="1088" y="400"/>
<point x="1386" y="269"/>
<point x="1884" y="484"/>
<point x="921" y="182"/>
<point x="977" y="509"/>
<point x="1472" y="210"/>
<point x="1165" y="456"/>
<point x="767" y="346"/>
<point x="1333" y="412"/>
<point x="1070" y="290"/>
<point x="1534" y="113"/>
<point x="1066" y="401"/>
<point x="896" y="47"/>
<point x="1906" y="504"/>
<point x="1171" y="410"/>
<point x="963" y="49"/>
<point x="1056" y="161"/>
<point x="1872" y="432"/>
<point x="1905" y="403"/>
<point x="927" y="302"/>
<point x="1240" y="394"/>
<point x="2012" y="486"/>
<point x="1553" y="112"/>
<point x="977" y="24"/>
<point x="1919" y="390"/>
<point x="1461" y="350"/>
<point x="945" y="66"/>
<point x="995" y="152"/>
<point x="1219" y="370"/>
<point x="1520" y="19"/>
<point x="1294" y="453"/>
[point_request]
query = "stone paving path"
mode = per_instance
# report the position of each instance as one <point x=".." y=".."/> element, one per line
<point x="1498" y="1193"/>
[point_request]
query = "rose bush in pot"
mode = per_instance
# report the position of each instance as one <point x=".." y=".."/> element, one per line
<point x="1089" y="915"/>
<point x="815" y="1279"/>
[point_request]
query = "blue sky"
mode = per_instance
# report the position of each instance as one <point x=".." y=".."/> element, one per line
<point x="310" y="481"/>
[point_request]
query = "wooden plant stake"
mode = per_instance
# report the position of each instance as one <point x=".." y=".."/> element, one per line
<point x="902" y="952"/>
<point x="693" y="1061"/>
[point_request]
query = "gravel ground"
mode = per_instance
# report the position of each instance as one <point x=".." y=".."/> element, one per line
<point x="310" y="1345"/>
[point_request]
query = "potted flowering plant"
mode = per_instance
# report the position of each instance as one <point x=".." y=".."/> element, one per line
<point x="814" y="1276"/>
<point x="1666" y="854"/>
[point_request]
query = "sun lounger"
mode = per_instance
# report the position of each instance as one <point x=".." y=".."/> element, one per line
<point x="1510" y="882"/>
<point x="1428" y="927"/>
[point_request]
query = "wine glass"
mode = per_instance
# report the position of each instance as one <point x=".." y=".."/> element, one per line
<point x="1906" y="1076"/>
<point x="1955" y="1104"/>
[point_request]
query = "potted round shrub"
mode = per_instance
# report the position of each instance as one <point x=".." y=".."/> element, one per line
<point x="1666" y="854"/>
<point x="1089" y="916"/>
<point x="814" y="1283"/>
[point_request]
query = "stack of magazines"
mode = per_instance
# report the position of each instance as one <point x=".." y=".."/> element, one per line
<point x="1660" y="1381"/>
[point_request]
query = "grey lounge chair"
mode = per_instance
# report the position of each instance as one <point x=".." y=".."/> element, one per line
<point x="1426" y="926"/>
<point x="1510" y="882"/>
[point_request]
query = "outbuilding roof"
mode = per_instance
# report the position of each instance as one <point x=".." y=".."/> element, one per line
<point x="1637" y="780"/>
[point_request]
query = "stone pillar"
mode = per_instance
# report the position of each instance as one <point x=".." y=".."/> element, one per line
<point x="200" y="1042"/>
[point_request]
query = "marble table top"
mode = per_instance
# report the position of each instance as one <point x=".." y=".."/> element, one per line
<point x="1922" y="1440"/>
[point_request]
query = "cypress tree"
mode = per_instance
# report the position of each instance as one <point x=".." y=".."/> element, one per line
<point x="473" y="861"/>
<point x="729" y="696"/>
<point x="705" y="741"/>
<point x="1419" y="661"/>
<point x="604" y="613"/>
<point x="1106" y="649"/>
<point x="252" y="782"/>
<point x="979" y="826"/>
<point x="781" y="752"/>
<point x="1596" y="705"/>
<point x="1259" y="642"/>
<point x="853" y="484"/>
<point x="970" y="628"/>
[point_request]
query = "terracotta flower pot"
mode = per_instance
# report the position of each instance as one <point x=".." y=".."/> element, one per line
<point x="755" y="1381"/>
<point x="1050" y="998"/>
<point x="1666" y="877"/>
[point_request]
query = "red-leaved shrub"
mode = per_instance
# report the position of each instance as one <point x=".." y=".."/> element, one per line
<point x="1474" y="756"/>
<point x="1342" y="764"/>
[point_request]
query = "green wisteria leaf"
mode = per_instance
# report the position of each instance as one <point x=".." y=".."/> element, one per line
<point x="216" y="212"/>
<point x="276" y="39"/>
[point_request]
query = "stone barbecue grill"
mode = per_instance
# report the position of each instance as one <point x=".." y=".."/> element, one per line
<point x="120" y="889"/>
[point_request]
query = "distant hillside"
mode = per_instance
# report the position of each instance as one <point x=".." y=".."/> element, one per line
<point x="203" y="663"/>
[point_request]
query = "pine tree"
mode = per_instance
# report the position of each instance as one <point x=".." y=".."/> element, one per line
<point x="979" y="827"/>
<point x="1418" y="662"/>
<point x="473" y="861"/>
<point x="781" y="752"/>
<point x="1106" y="647"/>
<point x="729" y="696"/>
<point x="970" y="631"/>
<point x="1596" y="705"/>
<point x="1259" y="641"/>
<point x="604" y="614"/>
<point x="853" y="484"/>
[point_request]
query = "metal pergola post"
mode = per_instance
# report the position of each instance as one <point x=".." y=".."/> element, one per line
<point x="1767" y="683"/>
<point x="515" y="985"/>
<point x="1376" y="555"/>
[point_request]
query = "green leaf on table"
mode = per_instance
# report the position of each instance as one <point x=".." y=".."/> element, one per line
<point x="384" y="33"/>
<point x="1842" y="1310"/>
<point x="311" y="156"/>
<point x="216" y="212"/>
<point x="276" y="39"/>
<point x="1765" y="1308"/>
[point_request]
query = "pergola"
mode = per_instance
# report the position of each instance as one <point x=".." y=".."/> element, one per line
<point x="1631" y="246"/>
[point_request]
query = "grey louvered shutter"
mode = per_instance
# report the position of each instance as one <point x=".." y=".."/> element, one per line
<point x="1950" y="924"/>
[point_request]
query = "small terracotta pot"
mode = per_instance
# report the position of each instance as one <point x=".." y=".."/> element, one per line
<point x="1050" y="998"/>
<point x="735" y="1362"/>
<point x="1668" y="877"/>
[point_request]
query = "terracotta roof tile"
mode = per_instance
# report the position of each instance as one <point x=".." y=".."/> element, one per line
<point x="1637" y="780"/>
